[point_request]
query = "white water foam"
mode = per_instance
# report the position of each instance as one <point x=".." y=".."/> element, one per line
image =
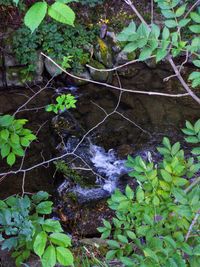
<point x="107" y="164"/>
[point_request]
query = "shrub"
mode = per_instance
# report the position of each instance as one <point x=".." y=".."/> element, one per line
<point x="58" y="41"/>
<point x="152" y="227"/>
<point x="25" y="230"/>
<point x="13" y="138"/>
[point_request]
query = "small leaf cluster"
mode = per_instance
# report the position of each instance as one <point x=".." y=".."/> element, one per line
<point x="168" y="40"/>
<point x="24" y="230"/>
<point x="64" y="101"/>
<point x="193" y="136"/>
<point x="150" y="225"/>
<point x="14" y="138"/>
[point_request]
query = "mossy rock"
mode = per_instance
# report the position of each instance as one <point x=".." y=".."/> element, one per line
<point x="100" y="76"/>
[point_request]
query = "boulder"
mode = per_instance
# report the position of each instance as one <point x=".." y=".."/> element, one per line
<point x="100" y="76"/>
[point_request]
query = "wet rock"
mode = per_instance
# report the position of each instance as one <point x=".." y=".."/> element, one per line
<point x="18" y="76"/>
<point x="52" y="69"/>
<point x="103" y="53"/>
<point x="101" y="76"/>
<point x="123" y="57"/>
<point x="85" y="75"/>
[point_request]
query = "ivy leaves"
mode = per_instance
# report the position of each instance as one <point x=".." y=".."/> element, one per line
<point x="14" y="138"/>
<point x="58" y="11"/>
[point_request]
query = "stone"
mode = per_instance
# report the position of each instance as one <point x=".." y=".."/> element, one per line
<point x="52" y="69"/>
<point x="100" y="76"/>
<point x="124" y="57"/>
<point x="85" y="75"/>
<point x="18" y="76"/>
<point x="103" y="53"/>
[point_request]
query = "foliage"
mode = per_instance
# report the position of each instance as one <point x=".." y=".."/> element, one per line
<point x="58" y="11"/>
<point x="58" y="41"/>
<point x="151" y="225"/>
<point x="161" y="42"/>
<point x="63" y="102"/>
<point x="25" y="230"/>
<point x="14" y="138"/>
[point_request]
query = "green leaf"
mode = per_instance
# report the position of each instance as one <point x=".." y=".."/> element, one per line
<point x="170" y="23"/>
<point x="131" y="235"/>
<point x="195" y="28"/>
<point x="127" y="261"/>
<point x="44" y="207"/>
<point x="24" y="142"/>
<point x="6" y="120"/>
<point x="165" y="33"/>
<point x="181" y="10"/>
<point x="195" y="17"/>
<point x="170" y="241"/>
<point x="175" y="148"/>
<point x="39" y="196"/>
<point x="11" y="159"/>
<point x="145" y="53"/>
<point x="14" y="138"/>
<point x="35" y="15"/>
<point x="192" y="140"/>
<point x="130" y="47"/>
<point x="40" y="243"/>
<point x="62" y="13"/>
<point x="113" y="244"/>
<point x="5" y="150"/>
<point x="196" y="151"/>
<point x="122" y="239"/>
<point x="151" y="254"/>
<point x="183" y="22"/>
<point x="64" y="256"/>
<point x="4" y="134"/>
<point x="166" y="143"/>
<point x="50" y="225"/>
<point x="49" y="257"/>
<point x="129" y="192"/>
<point x="197" y="126"/>
<point x="160" y="54"/>
<point x="196" y="63"/>
<point x="140" y="195"/>
<point x="166" y="175"/>
<point x="60" y="239"/>
<point x="111" y="254"/>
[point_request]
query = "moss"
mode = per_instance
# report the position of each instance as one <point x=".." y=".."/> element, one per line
<point x="73" y="175"/>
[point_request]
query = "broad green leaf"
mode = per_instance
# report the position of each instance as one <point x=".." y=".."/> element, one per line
<point x="44" y="207"/>
<point x="195" y="28"/>
<point x="195" y="17"/>
<point x="145" y="53"/>
<point x="170" y="23"/>
<point x="40" y="243"/>
<point x="113" y="244"/>
<point x="196" y="63"/>
<point x="35" y="15"/>
<point x="11" y="159"/>
<point x="39" y="196"/>
<point x="140" y="195"/>
<point x="5" y="150"/>
<point x="160" y="54"/>
<point x="64" y="256"/>
<point x="130" y="47"/>
<point x="197" y="126"/>
<point x="111" y="254"/>
<point x="196" y="151"/>
<point x="166" y="175"/>
<point x="165" y="33"/>
<point x="122" y="239"/>
<point x="151" y="254"/>
<point x="62" y="13"/>
<point x="181" y="10"/>
<point x="183" y="22"/>
<point x="50" y="225"/>
<point x="6" y="120"/>
<point x="131" y="235"/>
<point x="166" y="143"/>
<point x="14" y="138"/>
<point x="60" y="239"/>
<point x="4" y="134"/>
<point x="129" y="192"/>
<point x="49" y="257"/>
